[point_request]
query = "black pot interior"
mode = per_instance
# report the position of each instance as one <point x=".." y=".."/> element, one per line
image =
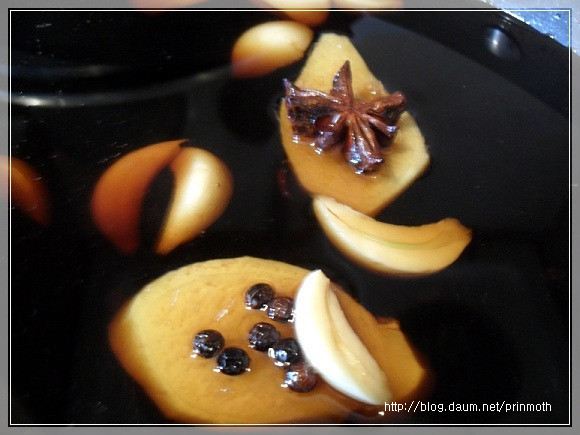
<point x="91" y="86"/>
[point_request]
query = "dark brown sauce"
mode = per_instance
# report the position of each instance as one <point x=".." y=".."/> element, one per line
<point x="476" y="322"/>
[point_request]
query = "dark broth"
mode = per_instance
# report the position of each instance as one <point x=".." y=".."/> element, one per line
<point x="493" y="324"/>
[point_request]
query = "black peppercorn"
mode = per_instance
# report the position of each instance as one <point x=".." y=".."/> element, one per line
<point x="259" y="295"/>
<point x="281" y="310"/>
<point x="207" y="343"/>
<point x="285" y="352"/>
<point x="233" y="361"/>
<point x="263" y="336"/>
<point x="300" y="377"/>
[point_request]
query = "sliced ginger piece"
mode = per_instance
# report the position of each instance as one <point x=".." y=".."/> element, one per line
<point x="327" y="173"/>
<point x="152" y="337"/>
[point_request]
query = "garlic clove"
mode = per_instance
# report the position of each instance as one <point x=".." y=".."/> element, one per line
<point x="332" y="347"/>
<point x="310" y="12"/>
<point x="368" y="4"/>
<point x="118" y="195"/>
<point x="29" y="192"/>
<point x="268" y="47"/>
<point x="203" y="188"/>
<point x="387" y="248"/>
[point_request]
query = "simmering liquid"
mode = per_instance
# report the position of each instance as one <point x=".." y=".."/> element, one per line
<point x="491" y="325"/>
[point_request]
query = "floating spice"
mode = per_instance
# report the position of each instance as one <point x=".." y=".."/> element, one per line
<point x="360" y="128"/>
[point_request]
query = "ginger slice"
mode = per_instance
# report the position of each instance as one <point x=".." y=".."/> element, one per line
<point x="152" y="337"/>
<point x="328" y="173"/>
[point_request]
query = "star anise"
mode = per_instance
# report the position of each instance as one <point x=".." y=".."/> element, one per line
<point x="361" y="128"/>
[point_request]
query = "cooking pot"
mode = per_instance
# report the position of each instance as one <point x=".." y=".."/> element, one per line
<point x="490" y="95"/>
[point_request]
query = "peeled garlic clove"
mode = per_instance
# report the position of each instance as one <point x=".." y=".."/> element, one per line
<point x="388" y="248"/>
<point x="269" y="46"/>
<point x="369" y="4"/>
<point x="309" y="18"/>
<point x="118" y="196"/>
<point x="332" y="347"/>
<point x="309" y="12"/>
<point x="29" y="193"/>
<point x="203" y="188"/>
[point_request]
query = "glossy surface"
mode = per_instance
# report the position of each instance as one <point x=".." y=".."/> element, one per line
<point x="494" y="325"/>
